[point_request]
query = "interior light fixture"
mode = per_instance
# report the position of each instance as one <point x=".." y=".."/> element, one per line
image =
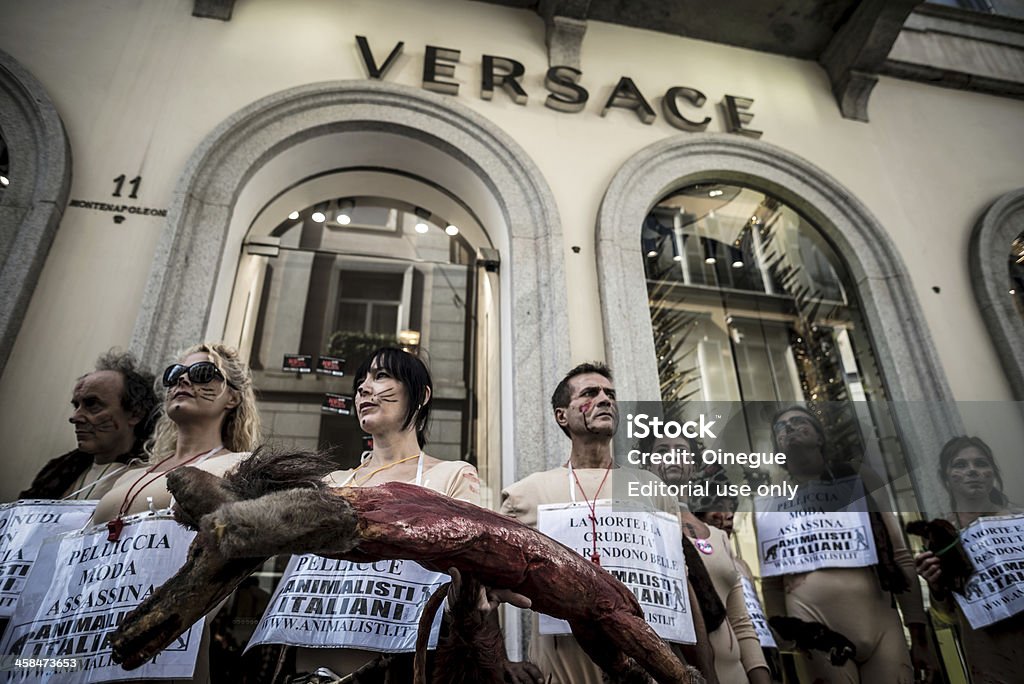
<point x="319" y="216"/>
<point x="653" y="253"/>
<point x="451" y="230"/>
<point x="345" y="207"/>
<point x="1013" y="292"/>
<point x="5" y="181"/>
<point x="677" y="257"/>
<point x="709" y="252"/>
<point x="715" y="193"/>
<point x="737" y="257"/>
<point x="294" y="215"/>
<point x="422" y="227"/>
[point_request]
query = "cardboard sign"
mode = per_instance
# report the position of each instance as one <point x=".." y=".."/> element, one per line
<point x="337" y="403"/>
<point x="325" y="603"/>
<point x="297" y="363"/>
<point x="996" y="589"/>
<point x="757" y="617"/>
<point x="80" y="589"/>
<point x="642" y="549"/>
<point x="330" y="365"/>
<point x="826" y="525"/>
<point x="24" y="525"/>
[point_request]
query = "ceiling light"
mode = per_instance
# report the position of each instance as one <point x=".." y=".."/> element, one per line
<point x="294" y="215"/>
<point x="709" y="251"/>
<point x="653" y="253"/>
<point x="715" y="193"/>
<point x="1013" y="292"/>
<point x="319" y="216"/>
<point x="737" y="257"/>
<point x="451" y="230"/>
<point x="737" y="264"/>
<point x="422" y="227"/>
<point x="4" y="181"/>
<point x="677" y="257"/>
<point x="345" y="207"/>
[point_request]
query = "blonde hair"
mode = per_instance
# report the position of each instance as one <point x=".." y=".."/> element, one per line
<point x="240" y="430"/>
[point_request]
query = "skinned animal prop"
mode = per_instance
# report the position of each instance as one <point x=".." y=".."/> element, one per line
<point x="276" y="503"/>
<point x="942" y="539"/>
<point x="814" y="636"/>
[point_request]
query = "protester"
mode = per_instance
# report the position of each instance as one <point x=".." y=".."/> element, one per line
<point x="210" y="421"/>
<point x="856" y="602"/>
<point x="738" y="656"/>
<point x="969" y="472"/>
<point x="586" y="410"/>
<point x="393" y="400"/>
<point x="114" y="411"/>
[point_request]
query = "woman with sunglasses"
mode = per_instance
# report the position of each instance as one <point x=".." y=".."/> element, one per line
<point x="393" y="394"/>
<point x="969" y="472"/>
<point x="209" y="421"/>
<point x="856" y="602"/>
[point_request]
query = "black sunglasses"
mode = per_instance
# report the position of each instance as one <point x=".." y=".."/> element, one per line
<point x="198" y="374"/>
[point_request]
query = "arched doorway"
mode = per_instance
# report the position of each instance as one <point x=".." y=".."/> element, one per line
<point x="264" y="149"/>
<point x="920" y="400"/>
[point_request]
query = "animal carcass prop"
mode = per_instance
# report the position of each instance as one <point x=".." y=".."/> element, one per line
<point x="275" y="503"/>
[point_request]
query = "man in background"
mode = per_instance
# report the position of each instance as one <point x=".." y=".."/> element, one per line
<point x="113" y="411"/>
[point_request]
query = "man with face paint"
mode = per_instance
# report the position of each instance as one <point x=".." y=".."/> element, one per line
<point x="586" y="410"/>
<point x="113" y="413"/>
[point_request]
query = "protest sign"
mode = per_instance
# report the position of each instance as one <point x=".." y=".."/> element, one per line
<point x="757" y="617"/>
<point x="996" y="589"/>
<point x="642" y="549"/>
<point x="79" y="590"/>
<point x="825" y="525"/>
<point x="326" y="603"/>
<point x="24" y="525"/>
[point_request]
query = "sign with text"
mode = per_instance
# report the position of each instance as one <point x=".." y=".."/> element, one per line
<point x="330" y="365"/>
<point x="642" y="549"/>
<point x="80" y="589"/>
<point x="996" y="589"/>
<point x="297" y="363"/>
<point x="24" y="525"/>
<point x="337" y="403"/>
<point x="825" y="525"/>
<point x="757" y="617"/>
<point x="326" y="603"/>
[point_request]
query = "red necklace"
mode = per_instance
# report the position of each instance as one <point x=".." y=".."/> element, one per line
<point x="115" y="526"/>
<point x="595" y="557"/>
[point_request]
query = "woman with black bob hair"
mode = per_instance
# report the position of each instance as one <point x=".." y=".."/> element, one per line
<point x="393" y="396"/>
<point x="856" y="602"/>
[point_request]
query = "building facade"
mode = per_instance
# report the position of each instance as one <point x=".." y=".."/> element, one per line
<point x="516" y="190"/>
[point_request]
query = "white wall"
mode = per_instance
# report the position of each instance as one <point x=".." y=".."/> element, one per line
<point x="139" y="85"/>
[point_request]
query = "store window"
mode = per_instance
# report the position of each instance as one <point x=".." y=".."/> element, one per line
<point x="1016" y="267"/>
<point x="339" y="278"/>
<point x="751" y="306"/>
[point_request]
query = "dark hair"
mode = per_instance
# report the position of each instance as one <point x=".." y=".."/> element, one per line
<point x="413" y="374"/>
<point x="815" y="423"/>
<point x="953" y="447"/>
<point x="562" y="395"/>
<point x="137" y="398"/>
